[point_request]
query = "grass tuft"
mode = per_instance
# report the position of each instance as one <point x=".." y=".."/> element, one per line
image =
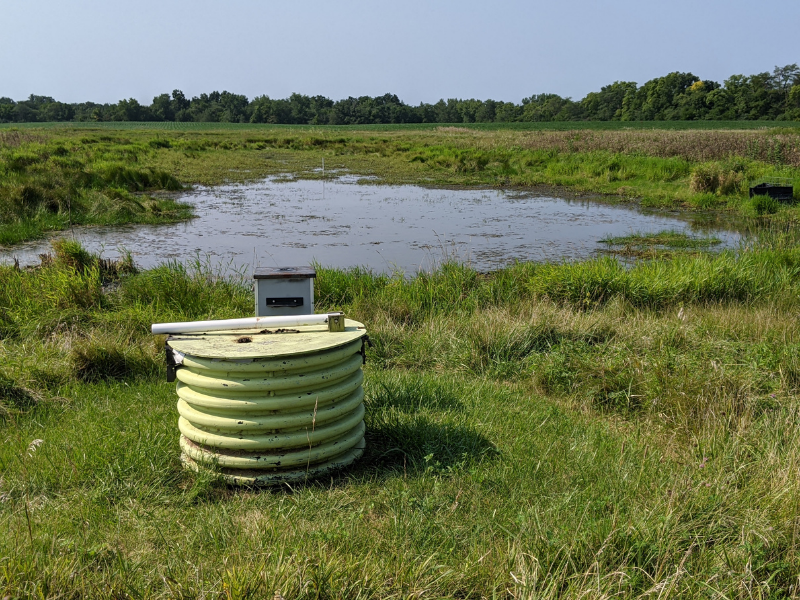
<point x="15" y="398"/>
<point x="762" y="204"/>
<point x="109" y="359"/>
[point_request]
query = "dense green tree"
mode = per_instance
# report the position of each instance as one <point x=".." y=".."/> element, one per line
<point x="794" y="96"/>
<point x="549" y="107"/>
<point x="507" y="112"/>
<point x="179" y="104"/>
<point x="693" y="103"/>
<point x="179" y="101"/>
<point x="321" y="110"/>
<point x="446" y="112"/>
<point x="486" y="111"/>
<point x="754" y="97"/>
<point x="719" y="104"/>
<point x="161" y="108"/>
<point x="266" y="110"/>
<point x="675" y="96"/>
<point x="658" y="99"/>
<point x="793" y="112"/>
<point x="130" y="110"/>
<point x="390" y="109"/>
<point x="606" y="105"/>
<point x="366" y="110"/>
<point x="783" y="79"/>
<point x="235" y="108"/>
<point x="467" y="110"/>
<point x="23" y="113"/>
<point x="6" y="109"/>
<point x="300" y="110"/>
<point x="90" y="111"/>
<point x="36" y="102"/>
<point x="426" y="112"/>
<point x="57" y="111"/>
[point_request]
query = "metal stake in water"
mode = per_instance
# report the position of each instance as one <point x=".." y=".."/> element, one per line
<point x="323" y="178"/>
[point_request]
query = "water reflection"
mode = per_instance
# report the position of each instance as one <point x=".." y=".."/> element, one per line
<point x="343" y="223"/>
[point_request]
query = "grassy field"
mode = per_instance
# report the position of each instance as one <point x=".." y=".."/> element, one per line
<point x="50" y="184"/>
<point x="546" y="431"/>
<point x="587" y="430"/>
<point x="530" y="126"/>
<point x="52" y="177"/>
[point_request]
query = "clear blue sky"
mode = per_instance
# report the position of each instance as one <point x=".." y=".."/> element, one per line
<point x="420" y="50"/>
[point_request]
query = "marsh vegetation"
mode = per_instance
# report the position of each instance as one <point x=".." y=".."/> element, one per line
<point x="52" y="178"/>
<point x="50" y="185"/>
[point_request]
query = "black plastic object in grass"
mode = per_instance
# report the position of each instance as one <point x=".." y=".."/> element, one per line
<point x="778" y="188"/>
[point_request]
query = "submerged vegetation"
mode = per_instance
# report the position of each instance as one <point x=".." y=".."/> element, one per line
<point x="657" y="245"/>
<point x="56" y="177"/>
<point x="547" y="431"/>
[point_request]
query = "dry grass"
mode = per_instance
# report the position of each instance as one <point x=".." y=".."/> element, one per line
<point x="700" y="146"/>
<point x="14" y="139"/>
<point x="454" y="130"/>
<point x="710" y="178"/>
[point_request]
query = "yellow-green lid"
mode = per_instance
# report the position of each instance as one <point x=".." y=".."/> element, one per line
<point x="265" y="343"/>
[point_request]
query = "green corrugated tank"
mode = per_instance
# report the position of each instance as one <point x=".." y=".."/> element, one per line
<point x="267" y="406"/>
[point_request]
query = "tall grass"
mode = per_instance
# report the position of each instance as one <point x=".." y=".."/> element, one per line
<point x="190" y="126"/>
<point x="46" y="186"/>
<point x="745" y="277"/>
<point x="776" y="146"/>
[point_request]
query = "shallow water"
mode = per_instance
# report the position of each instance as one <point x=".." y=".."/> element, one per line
<point x="343" y="223"/>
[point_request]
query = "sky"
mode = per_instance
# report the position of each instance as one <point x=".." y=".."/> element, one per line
<point x="422" y="51"/>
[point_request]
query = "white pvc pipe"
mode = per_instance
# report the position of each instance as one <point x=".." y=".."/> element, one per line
<point x="248" y="323"/>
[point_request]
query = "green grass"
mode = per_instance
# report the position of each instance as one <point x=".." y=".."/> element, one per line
<point x="533" y="126"/>
<point x="545" y="431"/>
<point x="53" y="185"/>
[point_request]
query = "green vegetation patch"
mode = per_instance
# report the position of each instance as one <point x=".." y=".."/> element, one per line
<point x="657" y="245"/>
<point x="665" y="239"/>
<point x="53" y="185"/>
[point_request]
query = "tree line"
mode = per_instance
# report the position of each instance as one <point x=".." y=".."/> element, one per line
<point x="676" y="96"/>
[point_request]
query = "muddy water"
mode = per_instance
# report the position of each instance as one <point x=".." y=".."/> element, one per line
<point x="342" y="223"/>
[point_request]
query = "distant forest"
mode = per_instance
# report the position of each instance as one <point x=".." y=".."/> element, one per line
<point x="677" y="96"/>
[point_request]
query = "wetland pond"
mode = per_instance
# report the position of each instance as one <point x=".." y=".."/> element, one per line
<point x="344" y="223"/>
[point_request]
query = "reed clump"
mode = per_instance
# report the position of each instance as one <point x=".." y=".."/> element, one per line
<point x="693" y="145"/>
<point x="710" y="178"/>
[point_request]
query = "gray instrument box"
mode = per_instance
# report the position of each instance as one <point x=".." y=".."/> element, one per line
<point x="284" y="291"/>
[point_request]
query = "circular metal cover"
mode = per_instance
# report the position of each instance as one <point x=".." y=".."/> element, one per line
<point x="264" y="343"/>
